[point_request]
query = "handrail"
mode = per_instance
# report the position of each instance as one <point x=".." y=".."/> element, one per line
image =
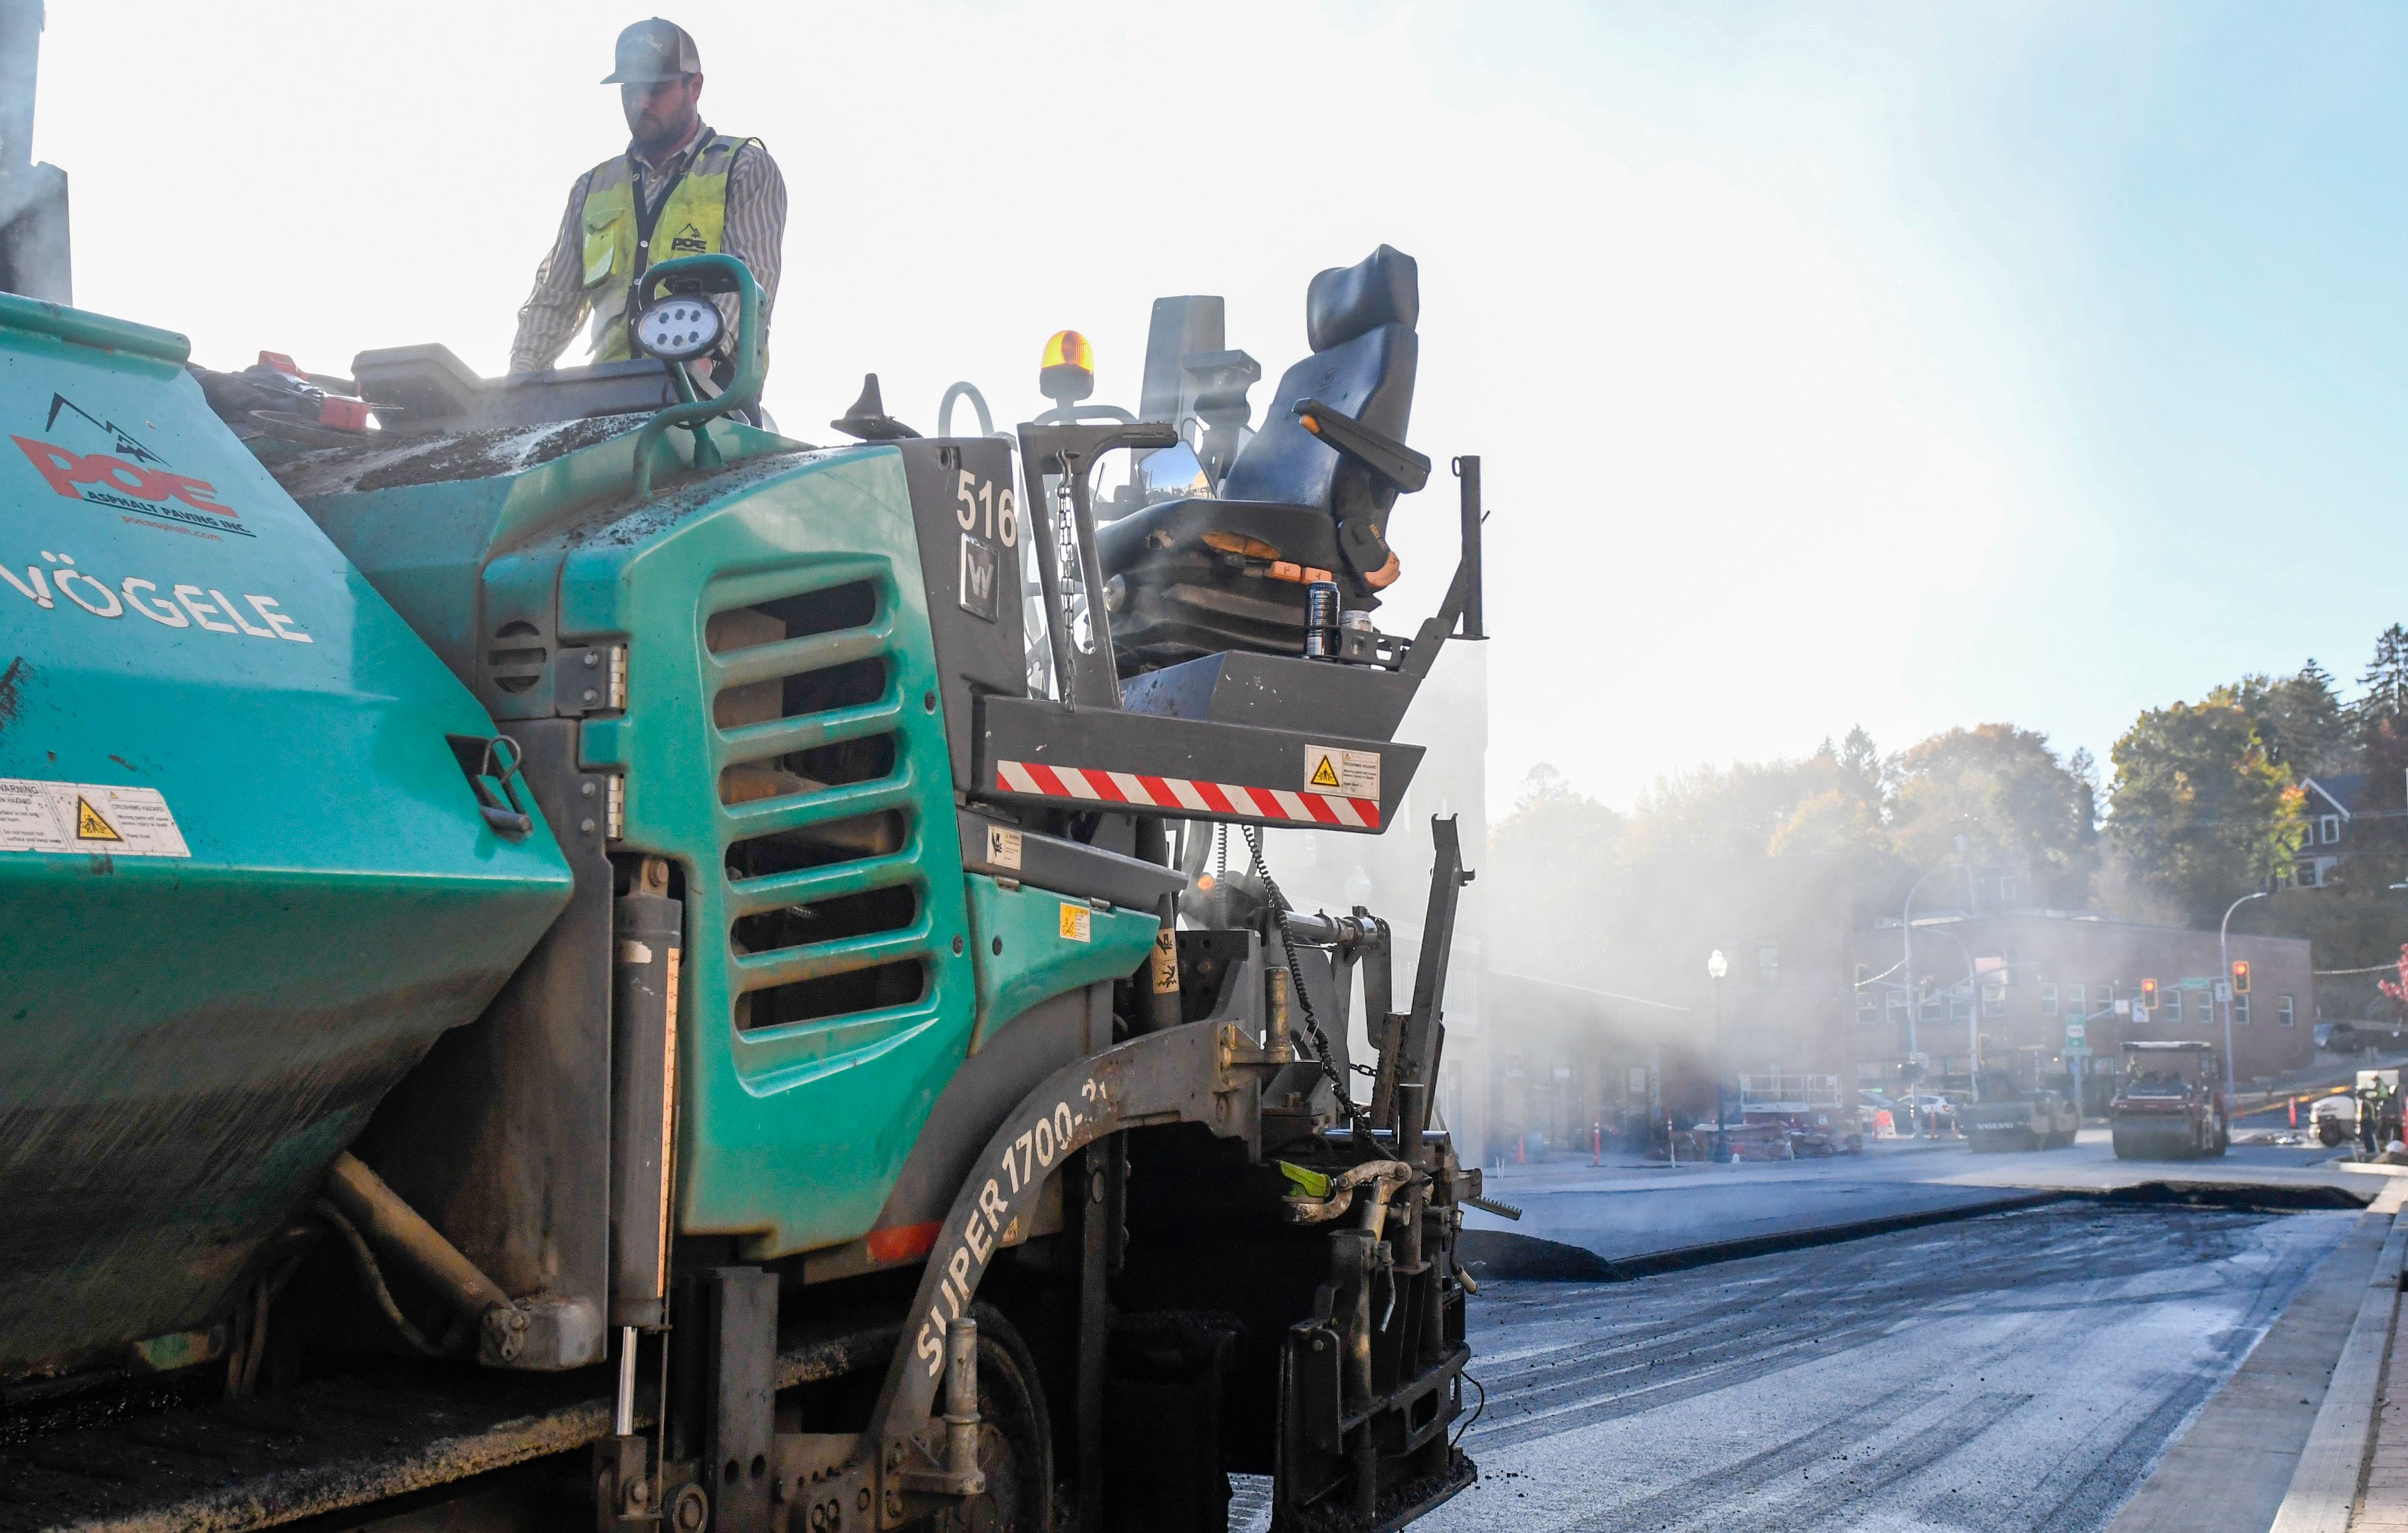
<point x="740" y="393"/>
<point x="963" y="390"/>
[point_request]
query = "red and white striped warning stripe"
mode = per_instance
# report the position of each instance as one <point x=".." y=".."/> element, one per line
<point x="1178" y="793"/>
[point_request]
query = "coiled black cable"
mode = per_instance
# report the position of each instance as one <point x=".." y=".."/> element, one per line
<point x="1321" y="1056"/>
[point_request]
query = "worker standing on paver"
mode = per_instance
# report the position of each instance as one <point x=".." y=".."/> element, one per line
<point x="679" y="190"/>
<point x="2369" y="1098"/>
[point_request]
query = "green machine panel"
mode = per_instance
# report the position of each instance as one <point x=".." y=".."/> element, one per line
<point x="782" y="740"/>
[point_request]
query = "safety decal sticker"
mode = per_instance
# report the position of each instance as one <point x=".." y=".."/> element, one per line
<point x="1003" y="847"/>
<point x="1353" y="773"/>
<point x="1077" y="923"/>
<point x="70" y="817"/>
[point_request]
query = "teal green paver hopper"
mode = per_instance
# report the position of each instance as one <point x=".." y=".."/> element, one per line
<point x="258" y="848"/>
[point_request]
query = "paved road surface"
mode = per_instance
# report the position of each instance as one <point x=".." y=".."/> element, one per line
<point x="1632" y="1210"/>
<point x="2011" y="1371"/>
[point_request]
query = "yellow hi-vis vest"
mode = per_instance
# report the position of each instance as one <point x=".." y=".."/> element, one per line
<point x="621" y="243"/>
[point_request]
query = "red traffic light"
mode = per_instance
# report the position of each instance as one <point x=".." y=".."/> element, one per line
<point x="2241" y="976"/>
<point x="2148" y="995"/>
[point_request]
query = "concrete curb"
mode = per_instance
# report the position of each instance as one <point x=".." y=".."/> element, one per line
<point x="2324" y="1488"/>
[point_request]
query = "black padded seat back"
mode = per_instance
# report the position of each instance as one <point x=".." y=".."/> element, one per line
<point x="1369" y="377"/>
<point x="1344" y="302"/>
<point x="1359" y="320"/>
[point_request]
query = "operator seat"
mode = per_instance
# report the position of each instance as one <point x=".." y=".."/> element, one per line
<point x="1307" y="497"/>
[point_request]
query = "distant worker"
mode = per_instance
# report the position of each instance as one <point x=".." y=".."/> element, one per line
<point x="680" y="190"/>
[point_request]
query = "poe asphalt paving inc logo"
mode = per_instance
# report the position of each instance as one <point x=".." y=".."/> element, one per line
<point x="126" y="475"/>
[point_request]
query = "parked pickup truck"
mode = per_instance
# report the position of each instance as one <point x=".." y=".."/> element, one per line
<point x="2019" y="1120"/>
<point x="2169" y="1102"/>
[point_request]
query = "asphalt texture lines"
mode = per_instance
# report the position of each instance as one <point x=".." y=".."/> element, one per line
<point x="2014" y="1372"/>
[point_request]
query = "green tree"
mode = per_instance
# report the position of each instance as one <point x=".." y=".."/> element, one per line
<point x="2200" y="810"/>
<point x="2301" y="720"/>
<point x="1547" y="808"/>
<point x="1858" y="759"/>
<point x="1552" y="857"/>
<point x="2021" y="812"/>
<point x="1829" y="801"/>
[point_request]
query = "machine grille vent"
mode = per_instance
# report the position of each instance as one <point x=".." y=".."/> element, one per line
<point x="802" y="659"/>
<point x="828" y="908"/>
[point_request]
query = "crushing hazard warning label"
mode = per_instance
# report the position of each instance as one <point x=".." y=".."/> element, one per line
<point x="87" y="817"/>
<point x="1353" y="773"/>
<point x="92" y="826"/>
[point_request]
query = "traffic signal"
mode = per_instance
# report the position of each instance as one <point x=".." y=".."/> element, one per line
<point x="2241" y="976"/>
<point x="2148" y="995"/>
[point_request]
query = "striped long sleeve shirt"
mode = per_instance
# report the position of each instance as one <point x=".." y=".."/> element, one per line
<point x="756" y="235"/>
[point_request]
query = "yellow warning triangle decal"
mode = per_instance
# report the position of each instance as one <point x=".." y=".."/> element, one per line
<point x="1323" y="777"/>
<point x="89" y="826"/>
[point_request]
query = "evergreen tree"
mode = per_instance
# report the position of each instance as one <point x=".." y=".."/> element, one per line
<point x="2386" y="680"/>
<point x="2084" y="767"/>
<point x="2299" y="718"/>
<point x="1860" y="763"/>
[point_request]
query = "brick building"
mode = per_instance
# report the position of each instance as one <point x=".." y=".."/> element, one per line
<point x="2010" y="981"/>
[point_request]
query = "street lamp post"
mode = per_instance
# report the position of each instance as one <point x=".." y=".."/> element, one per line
<point x="2224" y="956"/>
<point x="1716" y="967"/>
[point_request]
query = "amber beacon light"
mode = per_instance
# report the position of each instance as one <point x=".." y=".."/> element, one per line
<point x="1068" y="374"/>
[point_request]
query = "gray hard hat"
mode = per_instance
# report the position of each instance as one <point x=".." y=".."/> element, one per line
<point x="654" y="50"/>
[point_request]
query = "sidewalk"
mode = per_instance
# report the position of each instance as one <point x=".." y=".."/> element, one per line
<point x="2383" y="1502"/>
<point x="2283" y="1444"/>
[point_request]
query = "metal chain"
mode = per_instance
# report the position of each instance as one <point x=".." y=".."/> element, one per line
<point x="1321" y="1050"/>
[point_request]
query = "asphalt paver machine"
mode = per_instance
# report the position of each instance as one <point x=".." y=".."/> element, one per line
<point x="576" y="961"/>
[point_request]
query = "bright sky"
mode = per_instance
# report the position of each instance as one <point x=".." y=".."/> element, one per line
<point x="1903" y="364"/>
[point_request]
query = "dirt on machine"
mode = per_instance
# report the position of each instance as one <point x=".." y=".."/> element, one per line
<point x="578" y="960"/>
<point x="2169" y="1102"/>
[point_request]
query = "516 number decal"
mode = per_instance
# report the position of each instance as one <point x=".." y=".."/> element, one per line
<point x="978" y="500"/>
